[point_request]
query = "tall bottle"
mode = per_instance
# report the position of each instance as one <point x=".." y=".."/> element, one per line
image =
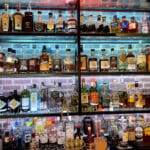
<point x="57" y="62"/>
<point x="59" y="23"/>
<point x="91" y="24"/>
<point x="50" y="24"/>
<point x="25" y="99"/>
<point x="115" y="25"/>
<point x="2" y="62"/>
<point x="6" y="23"/>
<point x="92" y="62"/>
<point x="131" y="60"/>
<point x="3" y="103"/>
<point x="15" y="62"/>
<point x="44" y="60"/>
<point x="34" y="99"/>
<point x="39" y="25"/>
<point x="133" y="25"/>
<point x="18" y="19"/>
<point x="124" y="25"/>
<point x="145" y="25"/>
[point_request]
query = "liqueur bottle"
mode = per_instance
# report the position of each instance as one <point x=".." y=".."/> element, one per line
<point x="6" y="24"/>
<point x="39" y="25"/>
<point x="113" y="61"/>
<point x="50" y="24"/>
<point x="18" y="19"/>
<point x="92" y="62"/>
<point x="14" y="102"/>
<point x="59" y="23"/>
<point x="104" y="62"/>
<point x="44" y="60"/>
<point x="141" y="59"/>
<point x="3" y="103"/>
<point x="34" y="99"/>
<point x="115" y="25"/>
<point x="2" y="62"/>
<point x="145" y="25"/>
<point x="124" y="25"/>
<point x="131" y="60"/>
<point x="93" y="93"/>
<point x="25" y="99"/>
<point x="57" y="66"/>
<point x="133" y="25"/>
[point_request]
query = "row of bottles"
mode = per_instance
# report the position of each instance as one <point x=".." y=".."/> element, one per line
<point x="50" y="99"/>
<point x="88" y="132"/>
<point x="46" y="62"/>
<point x="99" y="96"/>
<point x="18" y="22"/>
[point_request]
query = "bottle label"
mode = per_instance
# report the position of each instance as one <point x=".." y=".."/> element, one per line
<point x="83" y="63"/>
<point x="93" y="98"/>
<point x="60" y="137"/>
<point x="131" y="135"/>
<point x="148" y="61"/>
<point x="59" y="25"/>
<point x="131" y="98"/>
<point x="57" y="64"/>
<point x="93" y="65"/>
<point x="33" y="99"/>
<point x="43" y="138"/>
<point x="2" y="104"/>
<point x="5" y="22"/>
<point x="147" y="131"/>
<point x="145" y="28"/>
<point x="69" y="131"/>
<point x="53" y="136"/>
<point x="23" y="65"/>
<point x="113" y="63"/>
<point x="44" y="64"/>
<point x="50" y="27"/>
<point x="13" y="104"/>
<point x="124" y="25"/>
<point x="25" y="102"/>
<point x="125" y="137"/>
<point x="27" y="136"/>
<point x="105" y="64"/>
<point x="105" y="102"/>
<point x="39" y="27"/>
<point x="72" y="24"/>
<point x="139" y="132"/>
<point x="141" y="62"/>
<point x="18" y="22"/>
<point x="122" y="65"/>
<point x="131" y="61"/>
<point x="114" y="27"/>
<point x="84" y="98"/>
<point x="132" y="26"/>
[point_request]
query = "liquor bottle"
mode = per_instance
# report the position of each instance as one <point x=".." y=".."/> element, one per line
<point x="133" y="25"/>
<point x="84" y="93"/>
<point x="50" y="59"/>
<point x="105" y="97"/>
<point x="50" y="24"/>
<point x="113" y="61"/>
<point x="25" y="99"/>
<point x="141" y="59"/>
<point x="115" y="99"/>
<point x="34" y="99"/>
<point x="93" y="93"/>
<point x="99" y="25"/>
<point x="2" y="62"/>
<point x="6" y="20"/>
<point x="18" y="19"/>
<point x="7" y="140"/>
<point x="115" y="25"/>
<point x="15" y="62"/>
<point x="106" y="28"/>
<point x="3" y="103"/>
<point x="14" y="102"/>
<point x="104" y="62"/>
<point x="131" y="60"/>
<point x="83" y="60"/>
<point x="23" y="63"/>
<point x="122" y="60"/>
<point x="91" y="24"/>
<point x="28" y="20"/>
<point x="39" y="25"/>
<point x="71" y="23"/>
<point x="59" y="23"/>
<point x="44" y="60"/>
<point x="145" y="25"/>
<point x="131" y="134"/>
<point x="148" y="60"/>
<point x="43" y="139"/>
<point x="57" y="66"/>
<point x="131" y="96"/>
<point x="124" y="25"/>
<point x="44" y="97"/>
<point x="83" y="26"/>
<point x="68" y="62"/>
<point x="92" y="62"/>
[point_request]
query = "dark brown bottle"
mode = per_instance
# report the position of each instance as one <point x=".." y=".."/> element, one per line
<point x="33" y="65"/>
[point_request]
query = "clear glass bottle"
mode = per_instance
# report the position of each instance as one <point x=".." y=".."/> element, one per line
<point x="59" y="23"/>
<point x="104" y="62"/>
<point x="50" y="24"/>
<point x="18" y="19"/>
<point x="25" y="99"/>
<point x="133" y="25"/>
<point x="131" y="60"/>
<point x="124" y="25"/>
<point x="92" y="62"/>
<point x="34" y="99"/>
<point x="39" y="25"/>
<point x="57" y="62"/>
<point x="115" y="25"/>
<point x="113" y="61"/>
<point x="23" y="63"/>
<point x="145" y="27"/>
<point x="15" y="62"/>
<point x="68" y="62"/>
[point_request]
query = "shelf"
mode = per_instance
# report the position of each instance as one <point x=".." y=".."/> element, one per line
<point x="29" y="75"/>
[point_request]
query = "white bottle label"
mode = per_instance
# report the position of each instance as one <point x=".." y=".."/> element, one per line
<point x="25" y="102"/>
<point x="34" y="104"/>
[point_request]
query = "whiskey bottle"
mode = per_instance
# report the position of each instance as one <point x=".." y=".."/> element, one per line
<point x="50" y="24"/>
<point x="18" y="19"/>
<point x="131" y="60"/>
<point x="133" y="25"/>
<point x="92" y="62"/>
<point x="57" y="65"/>
<point x="6" y="20"/>
<point x="141" y="59"/>
<point x="39" y="25"/>
<point x="93" y="93"/>
<point x="68" y="62"/>
<point x="25" y="99"/>
<point x="44" y="60"/>
<point x="3" y="103"/>
<point x="113" y="61"/>
<point x="115" y="25"/>
<point x="71" y="23"/>
<point x="122" y="60"/>
<point x="124" y="25"/>
<point x="2" y="62"/>
<point x="83" y="26"/>
<point x="104" y="62"/>
<point x="59" y="23"/>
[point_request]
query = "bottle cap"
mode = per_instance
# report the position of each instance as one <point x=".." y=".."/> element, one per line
<point x="112" y="49"/>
